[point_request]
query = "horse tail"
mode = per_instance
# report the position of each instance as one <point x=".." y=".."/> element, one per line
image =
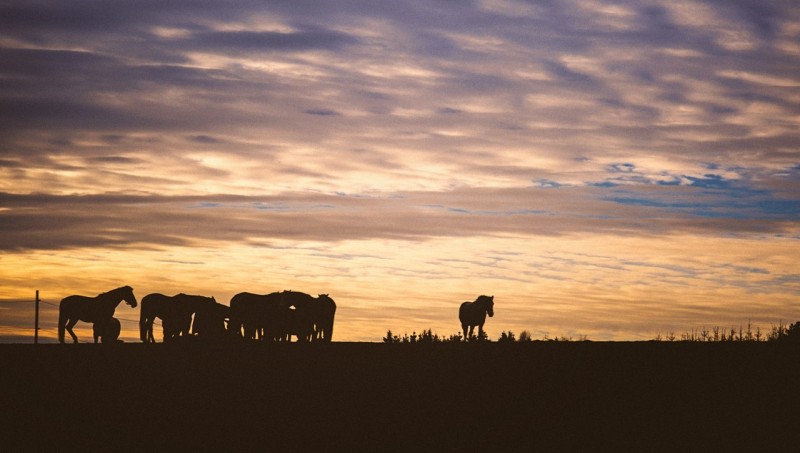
<point x="62" y="322"/>
<point x="329" y="330"/>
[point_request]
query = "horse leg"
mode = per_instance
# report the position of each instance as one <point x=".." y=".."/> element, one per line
<point x="146" y="329"/>
<point x="464" y="328"/>
<point x="70" y="324"/>
<point x="471" y="331"/>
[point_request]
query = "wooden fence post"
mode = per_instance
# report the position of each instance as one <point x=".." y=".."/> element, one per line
<point x="36" y="329"/>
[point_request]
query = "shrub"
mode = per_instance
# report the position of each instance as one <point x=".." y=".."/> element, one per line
<point x="506" y="337"/>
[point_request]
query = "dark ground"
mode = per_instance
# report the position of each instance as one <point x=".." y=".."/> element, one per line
<point x="577" y="396"/>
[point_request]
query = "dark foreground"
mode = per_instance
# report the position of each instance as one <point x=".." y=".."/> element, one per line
<point x="375" y="397"/>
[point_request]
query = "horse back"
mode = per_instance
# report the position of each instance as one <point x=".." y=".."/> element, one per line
<point x="242" y="299"/>
<point x="153" y="304"/>
<point x="463" y="312"/>
<point x="76" y="307"/>
<point x="471" y="314"/>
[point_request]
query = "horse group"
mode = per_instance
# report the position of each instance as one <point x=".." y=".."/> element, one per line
<point x="270" y="317"/>
<point x="183" y="315"/>
<point x="278" y="316"/>
<point x="273" y="317"/>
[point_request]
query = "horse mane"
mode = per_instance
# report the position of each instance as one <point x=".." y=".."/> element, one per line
<point x="115" y="290"/>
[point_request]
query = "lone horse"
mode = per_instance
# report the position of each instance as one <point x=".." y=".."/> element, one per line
<point x="473" y="314"/>
<point x="98" y="309"/>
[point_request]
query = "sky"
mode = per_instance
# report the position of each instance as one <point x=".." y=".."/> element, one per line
<point x="610" y="170"/>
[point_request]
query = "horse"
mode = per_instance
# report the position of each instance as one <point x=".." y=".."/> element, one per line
<point x="153" y="306"/>
<point x="176" y="317"/>
<point x="324" y="312"/>
<point x="301" y="319"/>
<point x="209" y="320"/>
<point x="108" y="331"/>
<point x="91" y="309"/>
<point x="473" y="314"/>
<point x="256" y="316"/>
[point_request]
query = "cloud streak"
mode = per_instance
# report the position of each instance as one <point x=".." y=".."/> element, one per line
<point x="705" y="207"/>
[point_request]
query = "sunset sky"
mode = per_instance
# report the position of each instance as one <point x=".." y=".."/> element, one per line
<point x="613" y="169"/>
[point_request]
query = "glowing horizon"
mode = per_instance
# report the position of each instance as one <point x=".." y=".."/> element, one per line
<point x="608" y="169"/>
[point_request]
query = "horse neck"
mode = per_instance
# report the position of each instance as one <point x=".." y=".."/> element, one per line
<point x="110" y="299"/>
<point x="478" y="310"/>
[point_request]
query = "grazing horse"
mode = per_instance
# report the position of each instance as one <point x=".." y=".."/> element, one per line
<point x="473" y="314"/>
<point x="324" y="312"/>
<point x="176" y="318"/>
<point x="209" y="320"/>
<point x="301" y="319"/>
<point x="257" y="316"/>
<point x="153" y="306"/>
<point x="91" y="309"/>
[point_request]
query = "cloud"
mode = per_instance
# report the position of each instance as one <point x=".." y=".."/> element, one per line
<point x="707" y="207"/>
<point x="635" y="86"/>
<point x="322" y="112"/>
<point x="265" y="41"/>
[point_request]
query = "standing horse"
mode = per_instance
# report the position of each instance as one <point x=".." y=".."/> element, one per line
<point x="473" y="314"/>
<point x="91" y="309"/>
<point x="209" y="320"/>
<point x="153" y="306"/>
<point x="300" y="316"/>
<point x="176" y="318"/>
<point x="255" y="316"/>
<point x="324" y="312"/>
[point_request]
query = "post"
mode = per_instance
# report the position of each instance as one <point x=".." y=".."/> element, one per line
<point x="36" y="330"/>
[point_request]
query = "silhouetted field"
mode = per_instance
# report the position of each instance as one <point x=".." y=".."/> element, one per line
<point x="538" y="396"/>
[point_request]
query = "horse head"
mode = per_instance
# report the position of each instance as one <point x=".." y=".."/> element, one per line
<point x="128" y="297"/>
<point x="488" y="304"/>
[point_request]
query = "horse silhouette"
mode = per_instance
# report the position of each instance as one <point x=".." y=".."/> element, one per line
<point x="91" y="309"/>
<point x="324" y="312"/>
<point x="473" y="314"/>
<point x="257" y="316"/>
<point x="176" y="316"/>
<point x="209" y="319"/>
<point x="153" y="306"/>
<point x="300" y="313"/>
<point x="108" y="331"/>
